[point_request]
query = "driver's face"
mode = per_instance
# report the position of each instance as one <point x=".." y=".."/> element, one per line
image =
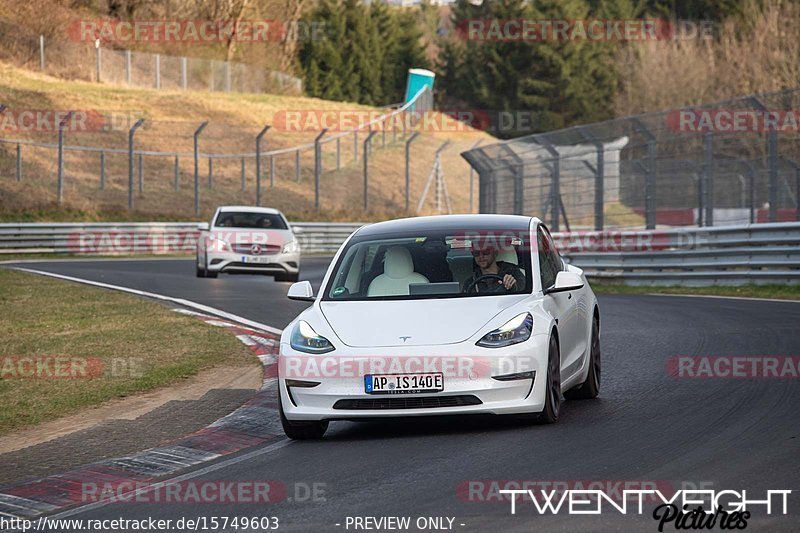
<point x="484" y="257"/>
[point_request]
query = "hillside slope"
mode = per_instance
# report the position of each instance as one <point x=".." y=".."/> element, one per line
<point x="234" y="120"/>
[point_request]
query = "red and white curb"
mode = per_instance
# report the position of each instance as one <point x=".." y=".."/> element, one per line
<point x="254" y="423"/>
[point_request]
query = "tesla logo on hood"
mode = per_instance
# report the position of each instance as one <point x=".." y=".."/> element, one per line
<point x="405" y="338"/>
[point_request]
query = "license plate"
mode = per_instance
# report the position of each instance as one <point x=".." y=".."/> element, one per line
<point x="403" y="383"/>
<point x="254" y="259"/>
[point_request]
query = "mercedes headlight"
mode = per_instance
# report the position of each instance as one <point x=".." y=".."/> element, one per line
<point x="218" y="245"/>
<point x="518" y="329"/>
<point x="305" y="339"/>
<point x="291" y="247"/>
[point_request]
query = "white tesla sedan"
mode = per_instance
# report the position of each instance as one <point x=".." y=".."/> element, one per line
<point x="440" y="315"/>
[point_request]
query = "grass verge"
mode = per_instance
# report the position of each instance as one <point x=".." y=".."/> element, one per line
<point x="104" y="344"/>
<point x="780" y="292"/>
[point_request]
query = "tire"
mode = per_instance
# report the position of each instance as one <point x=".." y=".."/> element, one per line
<point x="200" y="272"/>
<point x="294" y="278"/>
<point x="302" y="430"/>
<point x="552" y="402"/>
<point x="591" y="387"/>
<point x="211" y="274"/>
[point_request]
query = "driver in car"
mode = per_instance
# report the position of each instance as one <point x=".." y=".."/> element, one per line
<point x="498" y="276"/>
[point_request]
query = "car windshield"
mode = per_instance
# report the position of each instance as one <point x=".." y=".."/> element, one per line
<point x="234" y="219"/>
<point x="431" y="265"/>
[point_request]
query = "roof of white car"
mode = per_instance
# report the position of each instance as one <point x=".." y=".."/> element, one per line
<point x="248" y="209"/>
<point x="450" y="223"/>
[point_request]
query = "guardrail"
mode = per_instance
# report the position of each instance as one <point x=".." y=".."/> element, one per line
<point x="143" y="238"/>
<point x="759" y="253"/>
<point x="731" y="255"/>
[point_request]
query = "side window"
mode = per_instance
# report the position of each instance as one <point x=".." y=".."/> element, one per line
<point x="555" y="257"/>
<point x="547" y="268"/>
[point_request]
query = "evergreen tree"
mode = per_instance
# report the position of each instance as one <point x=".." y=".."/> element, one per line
<point x="365" y="55"/>
<point x="560" y="82"/>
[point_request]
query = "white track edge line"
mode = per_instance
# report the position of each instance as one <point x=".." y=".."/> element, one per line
<point x="180" y="301"/>
<point x="721" y="297"/>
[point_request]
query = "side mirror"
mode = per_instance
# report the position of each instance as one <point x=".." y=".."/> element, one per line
<point x="302" y="291"/>
<point x="566" y="281"/>
<point x="202" y="226"/>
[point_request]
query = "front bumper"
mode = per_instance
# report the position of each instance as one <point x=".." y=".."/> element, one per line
<point x="469" y="371"/>
<point x="278" y="263"/>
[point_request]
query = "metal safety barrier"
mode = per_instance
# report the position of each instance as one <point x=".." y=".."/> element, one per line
<point x="732" y="255"/>
<point x="757" y="253"/>
<point x="124" y="238"/>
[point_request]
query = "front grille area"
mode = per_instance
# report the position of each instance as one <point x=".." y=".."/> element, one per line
<point x="407" y="402"/>
<point x="242" y="248"/>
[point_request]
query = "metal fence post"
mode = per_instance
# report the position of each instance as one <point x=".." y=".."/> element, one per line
<point x="366" y="168"/>
<point x="317" y="166"/>
<point x="98" y="60"/>
<point x="258" y="162"/>
<point x="19" y="162"/>
<point x="772" y="155"/>
<point x="599" y="183"/>
<point x="355" y="145"/>
<point x="708" y="176"/>
<point x="338" y="153"/>
<point x="128" y="74"/>
<point x="472" y="179"/>
<point x="797" y="193"/>
<point x="141" y="174"/>
<point x="102" y="171"/>
<point x="701" y="199"/>
<point x="227" y="77"/>
<point x="271" y="171"/>
<point x="61" y="156"/>
<point x="751" y="178"/>
<point x="244" y="184"/>
<point x="408" y="166"/>
<point x="130" y="160"/>
<point x="297" y="165"/>
<point x="383" y="134"/>
<point x="650" y="173"/>
<point x="184" y="80"/>
<point x="555" y="187"/>
<point x="41" y="52"/>
<point x="772" y="162"/>
<point x="650" y="186"/>
<point x="177" y="174"/>
<point x="158" y="71"/>
<point x="197" y="133"/>
<point x="210" y="172"/>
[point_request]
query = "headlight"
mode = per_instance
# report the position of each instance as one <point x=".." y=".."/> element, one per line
<point x="305" y="339"/>
<point x="518" y="329"/>
<point x="291" y="247"/>
<point x="218" y="245"/>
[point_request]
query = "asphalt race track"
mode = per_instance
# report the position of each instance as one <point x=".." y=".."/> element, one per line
<point x="647" y="425"/>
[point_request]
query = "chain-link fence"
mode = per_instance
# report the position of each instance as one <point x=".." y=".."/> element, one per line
<point x="387" y="165"/>
<point x="83" y="60"/>
<point x="732" y="162"/>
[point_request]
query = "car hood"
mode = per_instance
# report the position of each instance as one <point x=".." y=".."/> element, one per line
<point x="424" y="322"/>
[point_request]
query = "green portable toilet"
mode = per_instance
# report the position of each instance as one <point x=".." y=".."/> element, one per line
<point x="417" y="79"/>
